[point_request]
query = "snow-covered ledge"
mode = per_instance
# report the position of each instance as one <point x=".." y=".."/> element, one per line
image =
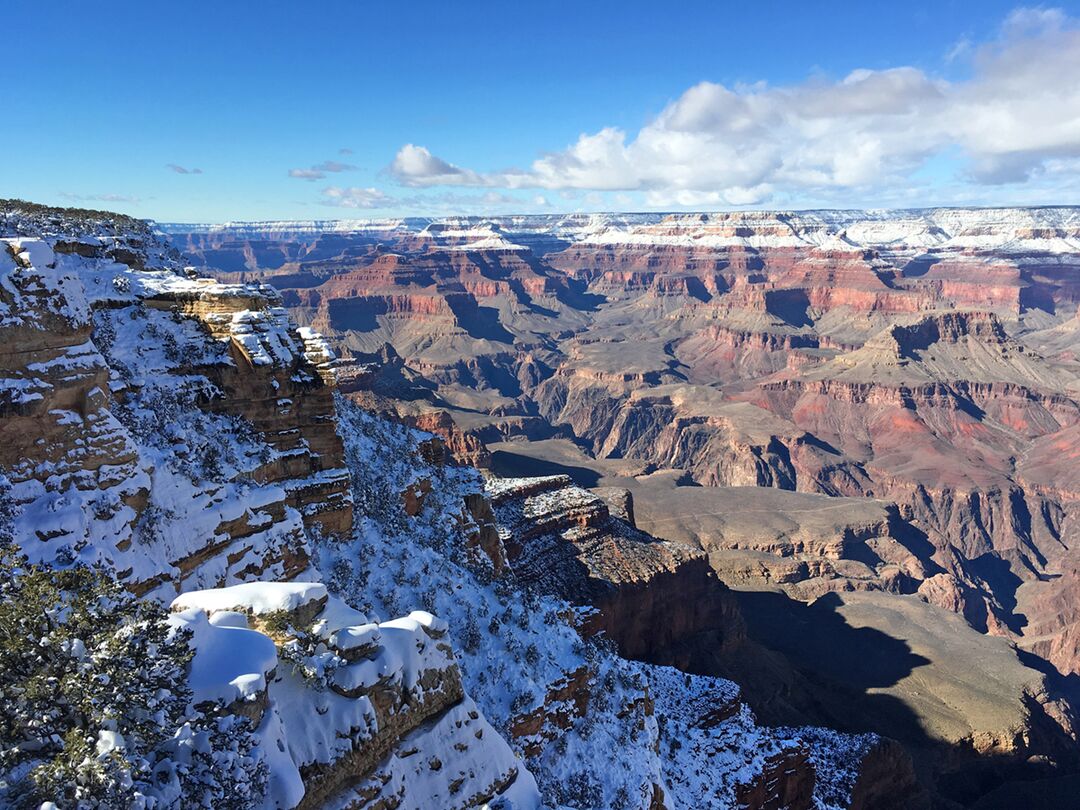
<point x="350" y="711"/>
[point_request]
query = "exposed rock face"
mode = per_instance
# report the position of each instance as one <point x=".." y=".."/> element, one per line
<point x="123" y="384"/>
<point x="565" y="701"/>
<point x="786" y="782"/>
<point x="886" y="780"/>
<point x="56" y="395"/>
<point x="464" y="448"/>
<point x="293" y="411"/>
<point x="805" y="544"/>
<point x="658" y="601"/>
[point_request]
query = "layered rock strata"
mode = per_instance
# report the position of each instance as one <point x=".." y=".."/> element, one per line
<point x="150" y="417"/>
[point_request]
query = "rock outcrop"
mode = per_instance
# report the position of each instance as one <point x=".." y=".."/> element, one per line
<point x="658" y="601"/>
<point x="395" y="725"/>
<point x="180" y="429"/>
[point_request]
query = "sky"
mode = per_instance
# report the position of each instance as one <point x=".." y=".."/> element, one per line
<point x="330" y="109"/>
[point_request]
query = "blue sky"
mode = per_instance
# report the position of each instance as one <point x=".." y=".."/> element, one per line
<point x="256" y="110"/>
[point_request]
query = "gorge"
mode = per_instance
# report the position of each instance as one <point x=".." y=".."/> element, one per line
<point x="864" y="412"/>
<point x="776" y="506"/>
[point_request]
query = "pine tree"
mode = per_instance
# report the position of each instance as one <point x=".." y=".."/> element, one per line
<point x="91" y="680"/>
<point x="94" y="707"/>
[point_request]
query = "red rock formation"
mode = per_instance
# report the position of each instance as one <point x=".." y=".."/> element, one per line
<point x="463" y="448"/>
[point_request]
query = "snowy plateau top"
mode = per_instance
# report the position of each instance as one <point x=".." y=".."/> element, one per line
<point x="1020" y="230"/>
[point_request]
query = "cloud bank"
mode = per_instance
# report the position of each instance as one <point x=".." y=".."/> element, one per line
<point x="1014" y="119"/>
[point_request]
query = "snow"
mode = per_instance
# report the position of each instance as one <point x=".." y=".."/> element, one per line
<point x="455" y="747"/>
<point x="230" y="663"/>
<point x="157" y="437"/>
<point x="286" y="787"/>
<point x="107" y="742"/>
<point x="229" y="618"/>
<point x="489" y="243"/>
<point x="433" y="625"/>
<point x="316" y="348"/>
<point x="265" y="336"/>
<point x="258" y="598"/>
<point x="355" y="638"/>
<point x="1004" y="230"/>
<point x="38" y="288"/>
<point x="337" y="616"/>
<point x="34" y="252"/>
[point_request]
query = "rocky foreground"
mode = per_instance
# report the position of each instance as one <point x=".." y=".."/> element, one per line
<point x="185" y="435"/>
<point x="820" y="403"/>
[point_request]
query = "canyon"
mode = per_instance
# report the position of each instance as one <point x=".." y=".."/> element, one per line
<point x="618" y="407"/>
<point x="389" y="625"/>
<point x="861" y="423"/>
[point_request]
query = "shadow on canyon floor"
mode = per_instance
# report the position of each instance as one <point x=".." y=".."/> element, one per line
<point x="1060" y="793"/>
<point x="520" y="465"/>
<point x="841" y="663"/>
<point x="835" y="678"/>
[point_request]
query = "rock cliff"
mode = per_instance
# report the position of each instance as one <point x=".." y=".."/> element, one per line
<point x="151" y="417"/>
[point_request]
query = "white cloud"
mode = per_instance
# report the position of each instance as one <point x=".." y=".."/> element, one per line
<point x="961" y="49"/>
<point x="356" y="197"/>
<point x="320" y="171"/>
<point x="416" y="166"/>
<point x="1026" y="20"/>
<point x="1015" y="119"/>
<point x="334" y="166"/>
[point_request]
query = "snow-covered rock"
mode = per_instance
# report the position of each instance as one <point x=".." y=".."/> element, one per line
<point x="256" y="598"/>
<point x="394" y="724"/>
<point x="171" y="426"/>
<point x="231" y="663"/>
